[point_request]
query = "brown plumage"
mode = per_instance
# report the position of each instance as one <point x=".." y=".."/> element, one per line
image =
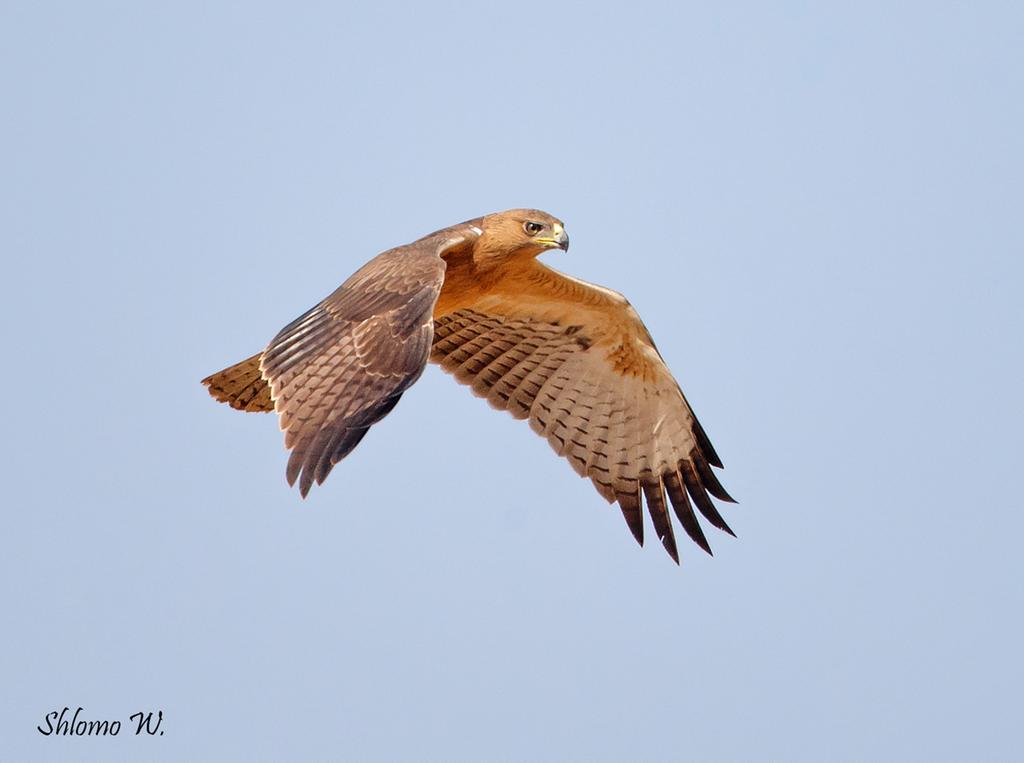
<point x="571" y="357"/>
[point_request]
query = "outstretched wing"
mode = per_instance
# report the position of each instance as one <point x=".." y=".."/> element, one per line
<point x="341" y="367"/>
<point x="577" y="361"/>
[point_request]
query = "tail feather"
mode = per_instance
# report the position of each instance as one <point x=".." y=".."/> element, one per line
<point x="242" y="386"/>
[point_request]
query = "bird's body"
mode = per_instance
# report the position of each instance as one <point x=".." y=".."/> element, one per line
<point x="573" y="358"/>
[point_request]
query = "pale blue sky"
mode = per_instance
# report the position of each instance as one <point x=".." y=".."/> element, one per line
<point x="817" y="210"/>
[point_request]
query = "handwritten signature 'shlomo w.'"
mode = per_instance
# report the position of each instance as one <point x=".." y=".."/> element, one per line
<point x="57" y="724"/>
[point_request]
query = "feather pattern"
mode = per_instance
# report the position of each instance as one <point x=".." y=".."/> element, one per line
<point x="571" y="358"/>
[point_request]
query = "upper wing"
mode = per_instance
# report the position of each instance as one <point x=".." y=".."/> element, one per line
<point x="576" y="360"/>
<point x="341" y="367"/>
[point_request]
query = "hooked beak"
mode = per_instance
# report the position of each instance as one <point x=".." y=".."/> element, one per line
<point x="560" y="239"/>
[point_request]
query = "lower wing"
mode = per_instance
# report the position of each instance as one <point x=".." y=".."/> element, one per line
<point x="576" y="361"/>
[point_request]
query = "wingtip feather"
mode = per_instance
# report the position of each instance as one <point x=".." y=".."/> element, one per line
<point x="629" y="504"/>
<point x="684" y="511"/>
<point x="700" y="497"/>
<point x="709" y="479"/>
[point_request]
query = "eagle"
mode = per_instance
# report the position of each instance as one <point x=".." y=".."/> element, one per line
<point x="572" y="358"/>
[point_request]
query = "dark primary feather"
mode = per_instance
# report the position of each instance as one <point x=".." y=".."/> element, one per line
<point x="684" y="511"/>
<point x="655" y="496"/>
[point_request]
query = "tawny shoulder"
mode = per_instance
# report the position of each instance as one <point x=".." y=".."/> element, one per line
<point x="533" y="291"/>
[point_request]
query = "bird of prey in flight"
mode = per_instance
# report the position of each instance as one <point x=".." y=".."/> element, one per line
<point x="571" y="357"/>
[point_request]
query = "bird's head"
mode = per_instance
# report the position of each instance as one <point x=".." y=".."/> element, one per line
<point x="519" y="232"/>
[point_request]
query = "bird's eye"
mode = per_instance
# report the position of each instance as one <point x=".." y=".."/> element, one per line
<point x="532" y="228"/>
